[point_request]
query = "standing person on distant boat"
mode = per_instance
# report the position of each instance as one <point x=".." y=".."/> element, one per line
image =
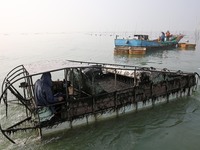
<point x="162" y="37"/>
<point x="43" y="92"/>
<point x="168" y="35"/>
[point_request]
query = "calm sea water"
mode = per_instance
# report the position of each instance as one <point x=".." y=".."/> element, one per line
<point x="173" y="126"/>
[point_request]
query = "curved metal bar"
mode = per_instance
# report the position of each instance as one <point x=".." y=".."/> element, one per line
<point x="4" y="89"/>
<point x="21" y="69"/>
<point x="3" y="92"/>
<point x="10" y="73"/>
<point x="9" y="83"/>
<point x="15" y="92"/>
<point x="3" y="132"/>
<point x="19" y="96"/>
<point x="8" y="76"/>
<point x="12" y="129"/>
<point x="197" y="79"/>
<point x="16" y="76"/>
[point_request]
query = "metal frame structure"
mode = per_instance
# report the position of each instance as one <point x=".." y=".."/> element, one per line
<point x="120" y="90"/>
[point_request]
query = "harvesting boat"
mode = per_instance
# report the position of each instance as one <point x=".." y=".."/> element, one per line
<point x="140" y="44"/>
<point x="91" y="91"/>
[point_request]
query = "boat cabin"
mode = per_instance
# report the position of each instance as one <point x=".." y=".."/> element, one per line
<point x="141" y="37"/>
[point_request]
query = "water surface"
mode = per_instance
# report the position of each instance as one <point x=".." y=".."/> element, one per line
<point x="175" y="125"/>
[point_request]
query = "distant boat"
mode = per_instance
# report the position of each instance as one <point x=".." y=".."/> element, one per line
<point x="187" y="45"/>
<point x="141" y="43"/>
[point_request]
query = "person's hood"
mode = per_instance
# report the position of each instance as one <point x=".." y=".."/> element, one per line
<point x="46" y="78"/>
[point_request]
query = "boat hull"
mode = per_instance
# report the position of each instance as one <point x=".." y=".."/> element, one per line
<point x="141" y="50"/>
<point x="136" y="43"/>
<point x="139" y="46"/>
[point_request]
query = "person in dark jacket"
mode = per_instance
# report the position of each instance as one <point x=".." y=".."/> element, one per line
<point x="43" y="92"/>
<point x="162" y="37"/>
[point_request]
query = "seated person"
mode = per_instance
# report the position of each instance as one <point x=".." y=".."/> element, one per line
<point x="43" y="92"/>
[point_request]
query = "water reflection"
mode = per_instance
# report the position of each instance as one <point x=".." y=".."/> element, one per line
<point x="149" y="58"/>
<point x="187" y="48"/>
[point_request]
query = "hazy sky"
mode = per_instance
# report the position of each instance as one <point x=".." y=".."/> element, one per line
<point x="98" y="15"/>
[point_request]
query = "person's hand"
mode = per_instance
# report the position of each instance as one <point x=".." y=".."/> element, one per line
<point x="60" y="98"/>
